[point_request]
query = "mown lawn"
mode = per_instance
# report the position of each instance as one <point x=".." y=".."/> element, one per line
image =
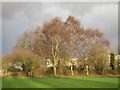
<point x="60" y="82"/>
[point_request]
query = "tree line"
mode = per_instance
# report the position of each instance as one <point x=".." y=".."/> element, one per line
<point x="60" y="42"/>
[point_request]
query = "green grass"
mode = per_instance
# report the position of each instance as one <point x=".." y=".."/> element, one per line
<point x="60" y="82"/>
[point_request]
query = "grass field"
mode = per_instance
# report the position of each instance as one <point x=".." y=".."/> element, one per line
<point x="60" y="82"/>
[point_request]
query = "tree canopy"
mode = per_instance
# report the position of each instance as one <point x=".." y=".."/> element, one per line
<point x="57" y="40"/>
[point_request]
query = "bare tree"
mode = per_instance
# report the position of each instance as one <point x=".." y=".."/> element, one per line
<point x="49" y="43"/>
<point x="92" y="39"/>
<point x="57" y="40"/>
<point x="73" y="33"/>
<point x="25" y="41"/>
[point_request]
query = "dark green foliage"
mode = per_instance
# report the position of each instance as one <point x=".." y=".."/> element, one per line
<point x="112" y="61"/>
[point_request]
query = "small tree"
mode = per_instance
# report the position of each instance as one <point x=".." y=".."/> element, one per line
<point x="100" y="56"/>
<point x="28" y="60"/>
<point x="6" y="60"/>
<point x="112" y="61"/>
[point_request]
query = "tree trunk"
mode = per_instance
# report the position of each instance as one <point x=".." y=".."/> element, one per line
<point x="55" y="73"/>
<point x="71" y="68"/>
<point x="87" y="71"/>
<point x="71" y="54"/>
<point x="86" y="66"/>
<point x="6" y="72"/>
<point x="27" y="73"/>
<point x="54" y="70"/>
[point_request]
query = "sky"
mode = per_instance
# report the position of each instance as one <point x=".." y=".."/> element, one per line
<point x="18" y="17"/>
